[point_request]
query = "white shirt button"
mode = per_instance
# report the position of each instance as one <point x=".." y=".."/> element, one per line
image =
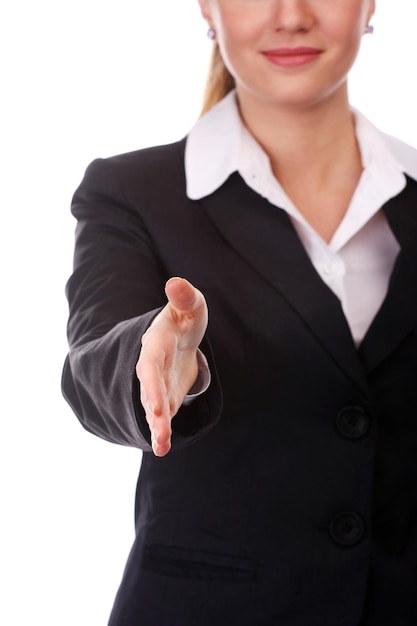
<point x="329" y="269"/>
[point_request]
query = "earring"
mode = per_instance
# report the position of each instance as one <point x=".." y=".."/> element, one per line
<point x="369" y="29"/>
<point x="211" y="34"/>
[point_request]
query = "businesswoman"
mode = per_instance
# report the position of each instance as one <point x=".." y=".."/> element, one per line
<point x="243" y="307"/>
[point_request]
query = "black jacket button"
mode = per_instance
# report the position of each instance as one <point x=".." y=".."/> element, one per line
<point x="347" y="528"/>
<point x="353" y="422"/>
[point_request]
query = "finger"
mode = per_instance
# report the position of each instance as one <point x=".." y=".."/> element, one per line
<point x="156" y="405"/>
<point x="187" y="308"/>
<point x="183" y="296"/>
<point x="161" y="436"/>
<point x="160" y="429"/>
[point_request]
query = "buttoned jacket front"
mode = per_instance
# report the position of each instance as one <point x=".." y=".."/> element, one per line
<point x="290" y="494"/>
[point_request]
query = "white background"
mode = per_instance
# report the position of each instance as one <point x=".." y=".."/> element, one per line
<point x="81" y="79"/>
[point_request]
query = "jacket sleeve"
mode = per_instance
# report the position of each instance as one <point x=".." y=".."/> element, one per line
<point x="114" y="292"/>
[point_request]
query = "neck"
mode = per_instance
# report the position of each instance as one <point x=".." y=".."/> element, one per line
<point x="315" y="146"/>
<point x="319" y="135"/>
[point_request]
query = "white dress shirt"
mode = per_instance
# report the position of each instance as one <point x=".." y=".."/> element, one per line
<point x="357" y="263"/>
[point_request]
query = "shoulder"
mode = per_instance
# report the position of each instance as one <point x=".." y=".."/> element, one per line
<point x="151" y="160"/>
<point x="150" y="164"/>
<point x="147" y="157"/>
<point x="148" y="171"/>
<point x="405" y="154"/>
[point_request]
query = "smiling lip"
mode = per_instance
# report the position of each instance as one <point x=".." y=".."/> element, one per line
<point x="291" y="57"/>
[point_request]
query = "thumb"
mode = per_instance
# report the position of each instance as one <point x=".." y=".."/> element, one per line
<point x="188" y="310"/>
<point x="184" y="297"/>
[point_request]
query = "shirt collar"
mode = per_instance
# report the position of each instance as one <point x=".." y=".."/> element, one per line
<point x="211" y="151"/>
<point x="219" y="145"/>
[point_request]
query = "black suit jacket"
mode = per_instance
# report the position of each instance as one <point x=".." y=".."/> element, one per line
<point x="290" y="495"/>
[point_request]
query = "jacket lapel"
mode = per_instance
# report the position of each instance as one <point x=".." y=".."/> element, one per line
<point x="264" y="236"/>
<point x="398" y="313"/>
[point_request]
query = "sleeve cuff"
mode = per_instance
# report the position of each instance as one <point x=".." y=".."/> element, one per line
<point x="203" y="379"/>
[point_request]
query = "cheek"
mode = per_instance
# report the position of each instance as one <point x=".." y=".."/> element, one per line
<point x="239" y="38"/>
<point x="348" y="25"/>
<point x="238" y="27"/>
<point x="344" y="35"/>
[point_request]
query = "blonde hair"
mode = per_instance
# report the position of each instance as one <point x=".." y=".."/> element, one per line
<point x="219" y="81"/>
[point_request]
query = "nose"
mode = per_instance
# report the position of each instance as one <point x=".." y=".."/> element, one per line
<point x="293" y="15"/>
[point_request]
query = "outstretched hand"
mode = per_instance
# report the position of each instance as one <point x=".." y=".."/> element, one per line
<point x="167" y="366"/>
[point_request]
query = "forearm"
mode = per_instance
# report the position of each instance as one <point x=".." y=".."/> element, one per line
<point x="114" y="293"/>
<point x="100" y="384"/>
